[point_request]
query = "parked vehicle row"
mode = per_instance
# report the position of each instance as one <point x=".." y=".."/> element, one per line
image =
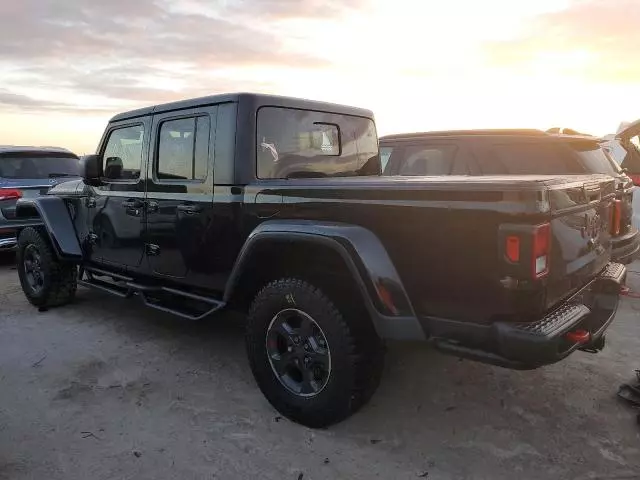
<point x="28" y="172"/>
<point x="276" y="206"/>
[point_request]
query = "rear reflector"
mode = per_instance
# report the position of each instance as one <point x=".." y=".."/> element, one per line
<point x="635" y="178"/>
<point x="512" y="248"/>
<point x="616" y="217"/>
<point x="540" y="252"/>
<point x="10" y="194"/>
<point x="578" y="336"/>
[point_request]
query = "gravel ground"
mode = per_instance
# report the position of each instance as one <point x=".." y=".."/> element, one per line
<point x="107" y="389"/>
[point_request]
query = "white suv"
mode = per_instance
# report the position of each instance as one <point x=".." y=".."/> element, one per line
<point x="624" y="148"/>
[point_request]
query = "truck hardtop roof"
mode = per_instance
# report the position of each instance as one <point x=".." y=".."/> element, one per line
<point x="466" y="133"/>
<point x="503" y="135"/>
<point x="255" y="99"/>
<point x="4" y="149"/>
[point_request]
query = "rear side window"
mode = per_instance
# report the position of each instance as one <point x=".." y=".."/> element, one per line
<point x="36" y="165"/>
<point x="596" y="160"/>
<point x="183" y="149"/>
<point x="530" y="158"/>
<point x="385" y="155"/>
<point x="431" y="160"/>
<point x="123" y="153"/>
<point x="294" y="143"/>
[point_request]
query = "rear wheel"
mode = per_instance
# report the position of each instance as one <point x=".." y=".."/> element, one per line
<point x="314" y="365"/>
<point x="46" y="281"/>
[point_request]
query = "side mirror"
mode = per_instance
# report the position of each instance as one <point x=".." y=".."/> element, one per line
<point x="91" y="168"/>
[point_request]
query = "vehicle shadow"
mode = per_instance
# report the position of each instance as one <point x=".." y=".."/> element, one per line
<point x="7" y="259"/>
<point x="436" y="410"/>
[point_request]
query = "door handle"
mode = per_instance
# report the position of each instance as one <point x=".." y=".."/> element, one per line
<point x="133" y="203"/>
<point x="152" y="207"/>
<point x="189" y="209"/>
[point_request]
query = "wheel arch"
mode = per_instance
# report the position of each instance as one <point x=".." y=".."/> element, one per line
<point x="341" y="248"/>
<point x="51" y="214"/>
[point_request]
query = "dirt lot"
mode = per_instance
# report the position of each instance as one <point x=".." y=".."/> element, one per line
<point x="106" y="389"/>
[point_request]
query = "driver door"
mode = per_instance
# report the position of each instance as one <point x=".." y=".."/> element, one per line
<point x="118" y="205"/>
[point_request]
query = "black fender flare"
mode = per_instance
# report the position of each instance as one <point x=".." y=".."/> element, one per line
<point x="367" y="260"/>
<point x="53" y="216"/>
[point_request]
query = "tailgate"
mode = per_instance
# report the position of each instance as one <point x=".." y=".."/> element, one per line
<point x="581" y="222"/>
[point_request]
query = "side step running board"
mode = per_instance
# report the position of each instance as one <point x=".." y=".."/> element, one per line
<point x="160" y="298"/>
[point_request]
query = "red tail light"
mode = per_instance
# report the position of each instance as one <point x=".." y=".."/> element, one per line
<point x="512" y="248"/>
<point x="616" y="217"/>
<point x="540" y="257"/>
<point x="10" y="194"/>
<point x="635" y="178"/>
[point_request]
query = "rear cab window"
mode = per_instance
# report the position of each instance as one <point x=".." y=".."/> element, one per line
<point x="296" y="143"/>
<point x="38" y="165"/>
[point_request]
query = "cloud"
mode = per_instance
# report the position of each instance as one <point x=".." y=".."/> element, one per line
<point x="145" y="50"/>
<point x="598" y="39"/>
<point x="14" y="101"/>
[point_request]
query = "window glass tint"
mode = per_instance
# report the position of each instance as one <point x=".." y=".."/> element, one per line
<point x="596" y="160"/>
<point x="38" y="165"/>
<point x="385" y="154"/>
<point x="183" y="149"/>
<point x="530" y="158"/>
<point x="427" y="160"/>
<point x="123" y="153"/>
<point x="299" y="143"/>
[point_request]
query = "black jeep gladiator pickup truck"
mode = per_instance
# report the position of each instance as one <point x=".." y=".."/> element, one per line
<point x="277" y="206"/>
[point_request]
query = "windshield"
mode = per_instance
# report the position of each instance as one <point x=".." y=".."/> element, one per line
<point x="38" y="166"/>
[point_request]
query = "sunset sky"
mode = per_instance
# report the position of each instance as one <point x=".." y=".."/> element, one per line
<point x="66" y="66"/>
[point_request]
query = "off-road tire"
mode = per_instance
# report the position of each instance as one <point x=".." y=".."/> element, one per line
<point x="59" y="282"/>
<point x="356" y="354"/>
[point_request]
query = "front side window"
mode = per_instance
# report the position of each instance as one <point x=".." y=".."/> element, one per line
<point x="183" y="149"/>
<point x="123" y="153"/>
<point x="294" y="143"/>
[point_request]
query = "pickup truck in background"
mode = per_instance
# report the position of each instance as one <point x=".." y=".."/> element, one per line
<point x="276" y="206"/>
<point x="516" y="152"/>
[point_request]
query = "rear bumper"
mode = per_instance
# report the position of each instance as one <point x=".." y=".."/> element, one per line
<point x="534" y="344"/>
<point x="625" y="248"/>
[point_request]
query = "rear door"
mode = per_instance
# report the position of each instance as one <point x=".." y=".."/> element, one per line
<point x="179" y="197"/>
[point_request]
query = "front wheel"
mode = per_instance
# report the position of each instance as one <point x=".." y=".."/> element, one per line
<point x="46" y="281"/>
<point x="314" y="365"/>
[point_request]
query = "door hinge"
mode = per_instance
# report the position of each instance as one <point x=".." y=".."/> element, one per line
<point x="152" y="249"/>
<point x="90" y="202"/>
<point x="93" y="238"/>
